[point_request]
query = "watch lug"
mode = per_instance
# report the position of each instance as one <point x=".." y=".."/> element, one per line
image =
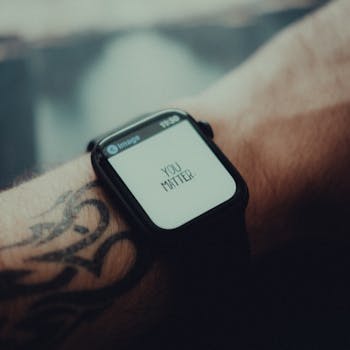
<point x="91" y="145"/>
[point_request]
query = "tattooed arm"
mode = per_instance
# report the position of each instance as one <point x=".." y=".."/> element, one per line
<point x="69" y="272"/>
<point x="66" y="255"/>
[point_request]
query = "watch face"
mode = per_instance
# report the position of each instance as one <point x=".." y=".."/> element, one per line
<point x="169" y="169"/>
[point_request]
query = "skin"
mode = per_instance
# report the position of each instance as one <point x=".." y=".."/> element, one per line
<point x="282" y="119"/>
<point x="285" y="112"/>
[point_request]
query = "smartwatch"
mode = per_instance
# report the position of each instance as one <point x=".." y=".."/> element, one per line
<point x="186" y="200"/>
<point x="170" y="179"/>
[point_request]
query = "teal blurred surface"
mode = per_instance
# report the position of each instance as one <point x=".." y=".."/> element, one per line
<point x="57" y="94"/>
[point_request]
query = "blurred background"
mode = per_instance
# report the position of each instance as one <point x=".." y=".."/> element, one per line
<point x="72" y="69"/>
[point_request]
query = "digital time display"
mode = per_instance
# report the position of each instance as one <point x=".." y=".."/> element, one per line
<point x="169" y="121"/>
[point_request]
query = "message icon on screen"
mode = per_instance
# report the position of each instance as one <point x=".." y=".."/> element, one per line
<point x="112" y="149"/>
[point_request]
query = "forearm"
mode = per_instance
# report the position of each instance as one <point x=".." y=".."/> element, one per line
<point x="68" y="262"/>
<point x="73" y="274"/>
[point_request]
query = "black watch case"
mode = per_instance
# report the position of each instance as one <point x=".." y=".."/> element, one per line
<point x="130" y="206"/>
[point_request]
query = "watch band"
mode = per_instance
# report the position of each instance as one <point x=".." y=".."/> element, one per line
<point x="212" y="279"/>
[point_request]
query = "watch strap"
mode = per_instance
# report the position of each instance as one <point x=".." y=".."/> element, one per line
<point x="211" y="281"/>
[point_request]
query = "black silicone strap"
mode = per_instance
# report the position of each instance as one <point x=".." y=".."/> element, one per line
<point x="211" y="280"/>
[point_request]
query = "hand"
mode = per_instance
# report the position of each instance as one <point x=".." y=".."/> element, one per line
<point x="283" y="120"/>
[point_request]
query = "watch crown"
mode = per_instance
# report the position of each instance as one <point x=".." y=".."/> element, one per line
<point x="206" y="128"/>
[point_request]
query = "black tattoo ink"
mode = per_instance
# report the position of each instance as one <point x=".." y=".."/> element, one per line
<point x="11" y="287"/>
<point x="81" y="229"/>
<point x="56" y="313"/>
<point x="67" y="255"/>
<point x="37" y="230"/>
<point x="60" y="200"/>
<point x="47" y="231"/>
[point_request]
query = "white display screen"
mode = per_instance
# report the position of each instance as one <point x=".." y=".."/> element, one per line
<point x="171" y="171"/>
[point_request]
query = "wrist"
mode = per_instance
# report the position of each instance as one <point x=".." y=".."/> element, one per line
<point x="71" y="247"/>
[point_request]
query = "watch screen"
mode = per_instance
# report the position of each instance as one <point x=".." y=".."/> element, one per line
<point x="171" y="171"/>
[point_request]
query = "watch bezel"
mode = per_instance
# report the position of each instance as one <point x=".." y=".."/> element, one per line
<point x="129" y="205"/>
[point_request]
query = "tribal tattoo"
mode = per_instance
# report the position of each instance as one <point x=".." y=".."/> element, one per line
<point x="55" y="311"/>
